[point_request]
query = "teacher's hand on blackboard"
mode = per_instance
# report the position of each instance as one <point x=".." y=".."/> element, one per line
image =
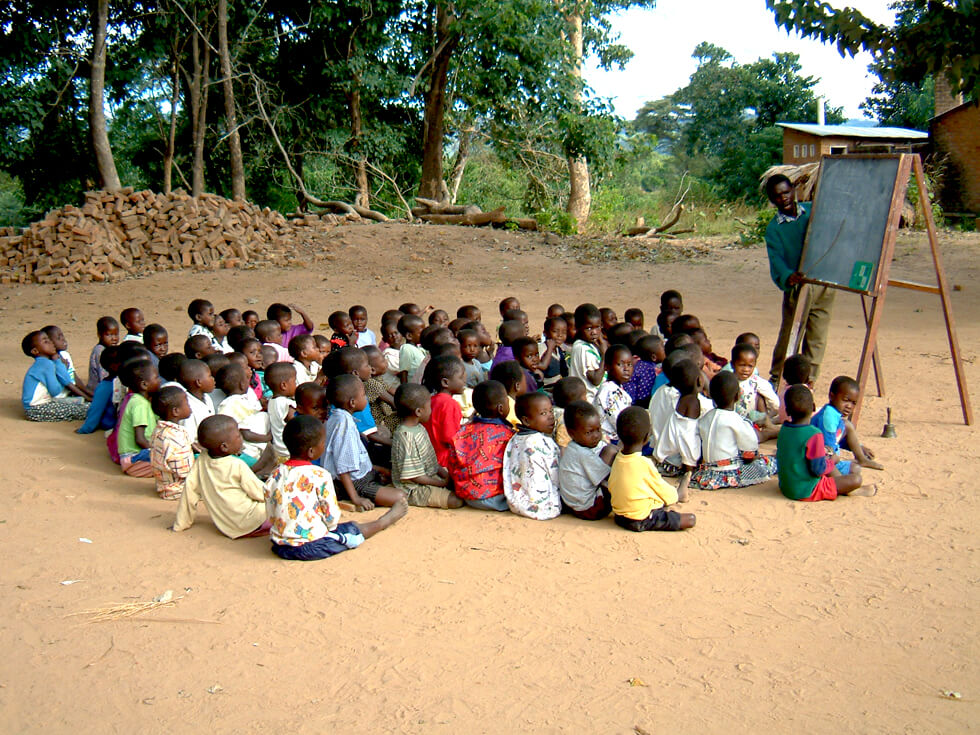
<point x="795" y="279"/>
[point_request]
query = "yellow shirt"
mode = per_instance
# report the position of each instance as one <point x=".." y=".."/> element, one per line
<point x="512" y="415"/>
<point x="232" y="493"/>
<point x="637" y="488"/>
<point x="560" y="435"/>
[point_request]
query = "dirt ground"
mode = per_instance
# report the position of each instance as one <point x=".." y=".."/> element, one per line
<point x="844" y="617"/>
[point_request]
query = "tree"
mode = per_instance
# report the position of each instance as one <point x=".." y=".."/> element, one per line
<point x="929" y="37"/>
<point x="108" y="176"/>
<point x="902" y="104"/>
<point x="231" y="115"/>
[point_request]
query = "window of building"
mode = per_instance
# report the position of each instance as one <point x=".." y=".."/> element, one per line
<point x="838" y="150"/>
<point x="813" y="150"/>
<point x="796" y="151"/>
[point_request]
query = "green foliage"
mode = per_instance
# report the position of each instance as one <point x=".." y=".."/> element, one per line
<point x="902" y="104"/>
<point x="556" y="220"/>
<point x="12" y="213"/>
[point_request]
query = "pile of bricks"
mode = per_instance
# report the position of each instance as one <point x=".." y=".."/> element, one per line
<point x="118" y="234"/>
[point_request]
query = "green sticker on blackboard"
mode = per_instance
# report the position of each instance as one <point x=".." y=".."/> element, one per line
<point x="861" y="275"/>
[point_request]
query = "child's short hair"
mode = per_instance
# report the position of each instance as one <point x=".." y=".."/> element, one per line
<point x="724" y="388"/>
<point x="569" y="389"/>
<point x="457" y="324"/>
<point x="277" y="311"/>
<point x="335" y="319"/>
<point x="685" y="323"/>
<point x="343" y="389"/>
<point x="230" y="377"/>
<point x="449" y="348"/>
<point x="633" y="425"/>
<point x="440" y="368"/>
<point x="843" y="382"/>
<point x="248" y="314"/>
<point x="27" y="344"/>
<point x="586" y="313"/>
<point x="553" y="321"/>
<point x="371" y="351"/>
<point x="129" y="350"/>
<point x="509" y="331"/>
<point x="614" y="352"/>
<point x="772" y="182"/>
<point x="743" y="348"/>
<point x="191" y="370"/>
<point x="633" y="313"/>
<point x="464" y="334"/>
<point x="509" y="302"/>
<point x="409" y="397"/>
<point x="302" y="433"/>
<point x="166" y="399"/>
<point x="214" y="430"/>
<point x="321" y="342"/>
<point x="309" y="393"/>
<point x="577" y="412"/>
<point x="356" y="309"/>
<point x="647" y="346"/>
<point x="135" y="371"/>
<point x="264" y="330"/>
<point x="486" y="396"/>
<point x="799" y="402"/>
<point x="106" y="323"/>
<point x="678" y="340"/>
<point x="522" y="343"/>
<point x="409" y="322"/>
<point x="747" y="337"/>
<point x="435" y="315"/>
<point x="672" y="359"/>
<point x="797" y="369"/>
<point x="198" y="307"/>
<point x="345" y="360"/>
<point x="434" y="335"/>
<point x="508" y="372"/>
<point x="237" y="335"/>
<point x="169" y="366"/>
<point x="517" y="315"/>
<point x="524" y="402"/>
<point x="109" y="360"/>
<point x="392" y="315"/>
<point x="469" y="312"/>
<point x="277" y="373"/>
<point x="126" y="314"/>
<point x="194" y="346"/>
<point x="229" y="314"/>
<point x="152" y="331"/>
<point x="410" y="307"/>
<point x="215" y="361"/>
<point x="298" y="344"/>
<point x="685" y="376"/>
<point x="269" y="354"/>
<point x="619" y="333"/>
<point x="668" y="296"/>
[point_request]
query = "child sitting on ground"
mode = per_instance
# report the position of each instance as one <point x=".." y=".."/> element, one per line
<point x="833" y="420"/>
<point x="477" y="454"/>
<point x="197" y="380"/>
<point x="526" y="353"/>
<point x="514" y="380"/>
<point x="608" y="318"/>
<point x="60" y="343"/>
<point x="444" y="378"/>
<point x="251" y="348"/>
<point x="250" y="318"/>
<point x="469" y="350"/>
<point x="671" y="307"/>
<point x="198" y="347"/>
<point x="531" y="461"/>
<point x="101" y="411"/>
<point x="584" y="465"/>
<point x="281" y="379"/>
<point x="284" y="315"/>
<point x="157" y="341"/>
<point x="756" y="397"/>
<point x="394" y="341"/>
<point x="634" y="317"/>
<point x="415" y="469"/>
<point x="648" y="353"/>
<point x="303" y="512"/>
<point x="306" y="358"/>
<point x="585" y="361"/>
<point x="344" y="334"/>
<point x="359" y="320"/>
<point x="243" y="406"/>
<point x="201" y="313"/>
<point x="712" y="362"/>
<point x="439" y="318"/>
<point x="233" y="317"/>
<point x="551" y="355"/>
<point x="678" y="450"/>
<point x="231" y="492"/>
<point x="796" y="371"/>
<point x="169" y="368"/>
<point x="49" y="393"/>
<point x="380" y="398"/>
<point x="411" y="354"/>
<point x="729" y="444"/>
<point x="638" y="494"/>
<point x="268" y="333"/>
<point x="509" y="332"/>
<point x="567" y="390"/>
<point x="133" y="322"/>
<point x="612" y="398"/>
<point x="171" y="452"/>
<point x="345" y="456"/>
<point x="136" y="418"/>
<point x="311" y="400"/>
<point x="108" y="331"/>
<point x="805" y="471"/>
<point x="215" y="361"/>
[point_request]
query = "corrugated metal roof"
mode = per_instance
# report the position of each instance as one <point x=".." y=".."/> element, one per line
<point x="856" y="131"/>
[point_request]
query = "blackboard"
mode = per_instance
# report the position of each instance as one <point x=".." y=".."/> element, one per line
<point x="852" y="211"/>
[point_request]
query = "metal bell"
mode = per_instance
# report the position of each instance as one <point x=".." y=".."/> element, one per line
<point x="888" y="432"/>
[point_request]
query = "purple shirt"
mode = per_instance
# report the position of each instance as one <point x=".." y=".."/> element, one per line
<point x="641" y="384"/>
<point x="503" y="354"/>
<point x="294" y="331"/>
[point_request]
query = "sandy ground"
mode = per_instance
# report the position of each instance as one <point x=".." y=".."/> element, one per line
<point x="852" y="616"/>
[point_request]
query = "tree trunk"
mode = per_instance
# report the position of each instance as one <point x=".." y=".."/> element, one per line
<point x="363" y="196"/>
<point x="579" y="186"/>
<point x="231" y="117"/>
<point x="446" y="41"/>
<point x="168" y="154"/>
<point x="462" y="155"/>
<point x="199" y="109"/>
<point x="108" y="176"/>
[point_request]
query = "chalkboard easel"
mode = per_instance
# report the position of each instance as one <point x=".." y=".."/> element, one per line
<point x="850" y="244"/>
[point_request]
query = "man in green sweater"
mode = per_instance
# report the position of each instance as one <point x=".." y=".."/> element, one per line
<point x="784" y="245"/>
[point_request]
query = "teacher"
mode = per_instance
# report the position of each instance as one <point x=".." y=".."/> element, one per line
<point x="784" y="245"/>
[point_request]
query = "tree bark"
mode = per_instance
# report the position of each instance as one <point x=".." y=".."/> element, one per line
<point x="579" y="185"/>
<point x="433" y="128"/>
<point x="108" y="176"/>
<point x="231" y="116"/>
<point x="459" y="166"/>
<point x="168" y="154"/>
<point x="198" y="91"/>
<point x="363" y="196"/>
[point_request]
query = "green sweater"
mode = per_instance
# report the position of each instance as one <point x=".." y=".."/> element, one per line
<point x="801" y="462"/>
<point x="784" y="245"/>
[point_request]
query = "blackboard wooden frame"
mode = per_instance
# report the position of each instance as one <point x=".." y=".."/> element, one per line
<point x="908" y="163"/>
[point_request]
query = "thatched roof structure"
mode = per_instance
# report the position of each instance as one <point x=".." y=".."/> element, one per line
<point x="804" y="178"/>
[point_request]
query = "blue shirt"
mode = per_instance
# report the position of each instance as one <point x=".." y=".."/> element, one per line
<point x="101" y="413"/>
<point x="659" y="383"/>
<point x="344" y="450"/>
<point x="47" y="373"/>
<point x="365" y="421"/>
<point x="831" y="424"/>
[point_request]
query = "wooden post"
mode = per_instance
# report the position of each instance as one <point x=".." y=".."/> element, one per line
<point x="954" y="345"/>
<point x="875" y="355"/>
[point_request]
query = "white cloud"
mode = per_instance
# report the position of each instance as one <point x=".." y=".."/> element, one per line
<point x="662" y="40"/>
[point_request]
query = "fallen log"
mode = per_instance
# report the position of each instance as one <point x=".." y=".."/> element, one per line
<point x="431" y="206"/>
<point x="497" y="216"/>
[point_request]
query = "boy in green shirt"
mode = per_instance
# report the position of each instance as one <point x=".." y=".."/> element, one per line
<point x="138" y="420"/>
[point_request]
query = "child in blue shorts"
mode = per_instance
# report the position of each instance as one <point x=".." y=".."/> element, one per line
<point x="49" y="392"/>
<point x="834" y="423"/>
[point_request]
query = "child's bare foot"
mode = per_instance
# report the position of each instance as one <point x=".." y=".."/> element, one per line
<point x="687" y="521"/>
<point x="682" y="487"/>
<point x="865" y="491"/>
<point x="394" y="514"/>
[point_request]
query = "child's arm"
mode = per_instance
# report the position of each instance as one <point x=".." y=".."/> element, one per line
<point x="363" y="503"/>
<point x="387" y="397"/>
<point x="307" y="322"/>
<point x="608" y="454"/>
<point x="437" y="481"/>
<point x="816" y="456"/>
<point x="251" y="436"/>
<point x="380" y="435"/>
<point x="545" y="359"/>
<point x="139" y="435"/>
<point x="595" y="376"/>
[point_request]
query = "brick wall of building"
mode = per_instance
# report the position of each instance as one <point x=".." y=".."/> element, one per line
<point x="957" y="135"/>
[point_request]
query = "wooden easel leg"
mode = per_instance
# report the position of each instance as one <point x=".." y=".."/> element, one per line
<point x="875" y="356"/>
<point x="867" y="352"/>
<point x="799" y="325"/>
<point x="954" y="345"/>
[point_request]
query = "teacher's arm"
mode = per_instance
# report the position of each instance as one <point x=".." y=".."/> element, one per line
<point x="783" y="259"/>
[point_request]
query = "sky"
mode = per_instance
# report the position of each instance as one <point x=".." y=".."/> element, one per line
<point x="662" y="40"/>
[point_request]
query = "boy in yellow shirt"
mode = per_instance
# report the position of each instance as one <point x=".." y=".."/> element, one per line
<point x="639" y="493"/>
